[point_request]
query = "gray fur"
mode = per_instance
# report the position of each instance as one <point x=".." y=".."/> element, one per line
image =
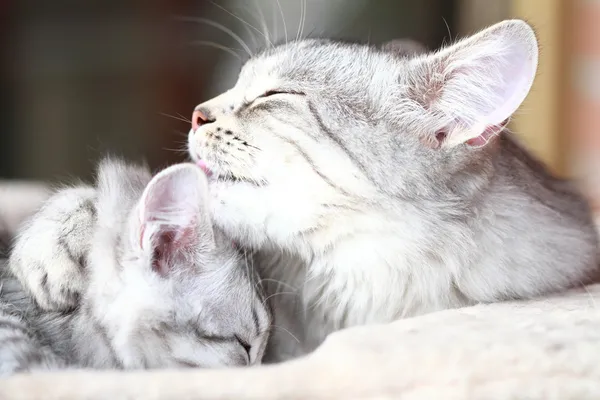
<point x="356" y="164"/>
<point x="93" y="298"/>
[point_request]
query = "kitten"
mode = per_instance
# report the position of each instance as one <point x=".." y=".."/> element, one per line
<point x="387" y="181"/>
<point x="130" y="274"/>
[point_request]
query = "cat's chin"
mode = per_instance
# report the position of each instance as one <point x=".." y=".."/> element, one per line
<point x="229" y="181"/>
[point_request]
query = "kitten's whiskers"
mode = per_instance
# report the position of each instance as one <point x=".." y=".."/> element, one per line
<point x="220" y="27"/>
<point x="246" y="23"/>
<point x="217" y="46"/>
<point x="285" y="330"/>
<point x="283" y="20"/>
<point x="178" y="118"/>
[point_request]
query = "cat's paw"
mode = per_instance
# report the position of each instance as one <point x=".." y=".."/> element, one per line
<point x="50" y="251"/>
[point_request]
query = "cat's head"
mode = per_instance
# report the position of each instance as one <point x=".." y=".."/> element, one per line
<point x="168" y="289"/>
<point x="317" y="133"/>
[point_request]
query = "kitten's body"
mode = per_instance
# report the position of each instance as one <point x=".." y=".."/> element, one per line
<point x="387" y="182"/>
<point x="413" y="264"/>
<point x="21" y="347"/>
<point x="189" y="302"/>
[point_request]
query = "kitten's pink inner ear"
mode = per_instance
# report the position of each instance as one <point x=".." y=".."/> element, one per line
<point x="487" y="134"/>
<point x="142" y="230"/>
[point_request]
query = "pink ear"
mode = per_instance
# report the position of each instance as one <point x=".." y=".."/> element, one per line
<point x="173" y="215"/>
<point x="475" y="85"/>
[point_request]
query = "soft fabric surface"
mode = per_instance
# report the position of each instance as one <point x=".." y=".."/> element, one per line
<point x="18" y="199"/>
<point x="544" y="349"/>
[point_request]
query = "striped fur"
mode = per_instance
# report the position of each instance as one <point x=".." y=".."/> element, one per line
<point x="21" y="350"/>
<point x="129" y="274"/>
<point x="385" y="177"/>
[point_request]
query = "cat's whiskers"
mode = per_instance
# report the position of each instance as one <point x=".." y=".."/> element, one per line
<point x="226" y="49"/>
<point x="277" y="294"/>
<point x="283" y="20"/>
<point x="278" y="282"/>
<point x="286" y="331"/>
<point x="263" y="23"/>
<point x="302" y="19"/>
<point x="220" y="27"/>
<point x="248" y="25"/>
<point x="179" y="118"/>
<point x="184" y="118"/>
<point x="448" y="28"/>
<point x="177" y="151"/>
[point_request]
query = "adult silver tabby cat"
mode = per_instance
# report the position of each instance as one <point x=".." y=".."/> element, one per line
<point x="130" y="274"/>
<point x="381" y="186"/>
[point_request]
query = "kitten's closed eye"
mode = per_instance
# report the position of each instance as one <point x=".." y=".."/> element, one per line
<point x="271" y="93"/>
<point x="274" y="92"/>
<point x="247" y="347"/>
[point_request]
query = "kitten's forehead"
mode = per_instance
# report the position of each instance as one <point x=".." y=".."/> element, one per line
<point x="313" y="61"/>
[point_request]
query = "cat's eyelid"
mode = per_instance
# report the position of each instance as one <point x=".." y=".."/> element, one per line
<point x="273" y="92"/>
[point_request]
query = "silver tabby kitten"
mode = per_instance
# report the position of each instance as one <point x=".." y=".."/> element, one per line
<point x="378" y="184"/>
<point x="130" y="274"/>
<point x="387" y="182"/>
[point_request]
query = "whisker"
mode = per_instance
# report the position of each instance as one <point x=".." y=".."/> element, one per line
<point x="302" y="20"/>
<point x="220" y="27"/>
<point x="178" y="151"/>
<point x="263" y="22"/>
<point x="176" y="118"/>
<point x="277" y="294"/>
<point x="283" y="20"/>
<point x="448" y="28"/>
<point x="246" y="23"/>
<point x="287" y="331"/>
<point x="591" y="297"/>
<point x="217" y="46"/>
<point x="181" y="133"/>
<point x="278" y="282"/>
<point x="181" y="116"/>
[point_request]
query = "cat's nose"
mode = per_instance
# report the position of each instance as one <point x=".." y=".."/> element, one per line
<point x="200" y="117"/>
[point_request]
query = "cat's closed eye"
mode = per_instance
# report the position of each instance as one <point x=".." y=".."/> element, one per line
<point x="271" y="93"/>
<point x="247" y="347"/>
<point x="275" y="92"/>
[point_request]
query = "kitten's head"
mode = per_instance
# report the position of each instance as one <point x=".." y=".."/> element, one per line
<point x="315" y="130"/>
<point x="168" y="289"/>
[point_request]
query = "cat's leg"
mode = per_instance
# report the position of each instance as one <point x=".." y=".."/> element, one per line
<point x="20" y="351"/>
<point x="50" y="251"/>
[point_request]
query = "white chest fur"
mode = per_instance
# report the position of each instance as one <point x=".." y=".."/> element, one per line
<point x="361" y="281"/>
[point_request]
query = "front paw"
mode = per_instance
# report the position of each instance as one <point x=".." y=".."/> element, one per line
<point x="50" y="253"/>
<point x="55" y="283"/>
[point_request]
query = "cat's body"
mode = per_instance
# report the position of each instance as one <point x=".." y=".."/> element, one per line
<point x="388" y="182"/>
<point x="143" y="279"/>
<point x="441" y="272"/>
<point x="375" y="185"/>
<point x="21" y="347"/>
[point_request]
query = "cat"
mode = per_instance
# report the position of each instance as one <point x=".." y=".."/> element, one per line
<point x="374" y="184"/>
<point x="138" y="278"/>
<point x="385" y="185"/>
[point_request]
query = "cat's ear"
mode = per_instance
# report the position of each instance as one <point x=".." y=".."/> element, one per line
<point x="473" y="87"/>
<point x="173" y="212"/>
<point x="404" y="47"/>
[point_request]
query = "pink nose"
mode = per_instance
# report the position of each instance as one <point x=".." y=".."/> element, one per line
<point x="198" y="119"/>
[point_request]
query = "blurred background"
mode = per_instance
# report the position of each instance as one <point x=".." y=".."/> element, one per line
<point x="80" y="79"/>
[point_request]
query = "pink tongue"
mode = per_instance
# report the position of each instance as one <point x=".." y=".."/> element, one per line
<point x="203" y="166"/>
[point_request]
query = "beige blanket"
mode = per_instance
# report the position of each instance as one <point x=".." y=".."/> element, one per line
<point x="544" y="349"/>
